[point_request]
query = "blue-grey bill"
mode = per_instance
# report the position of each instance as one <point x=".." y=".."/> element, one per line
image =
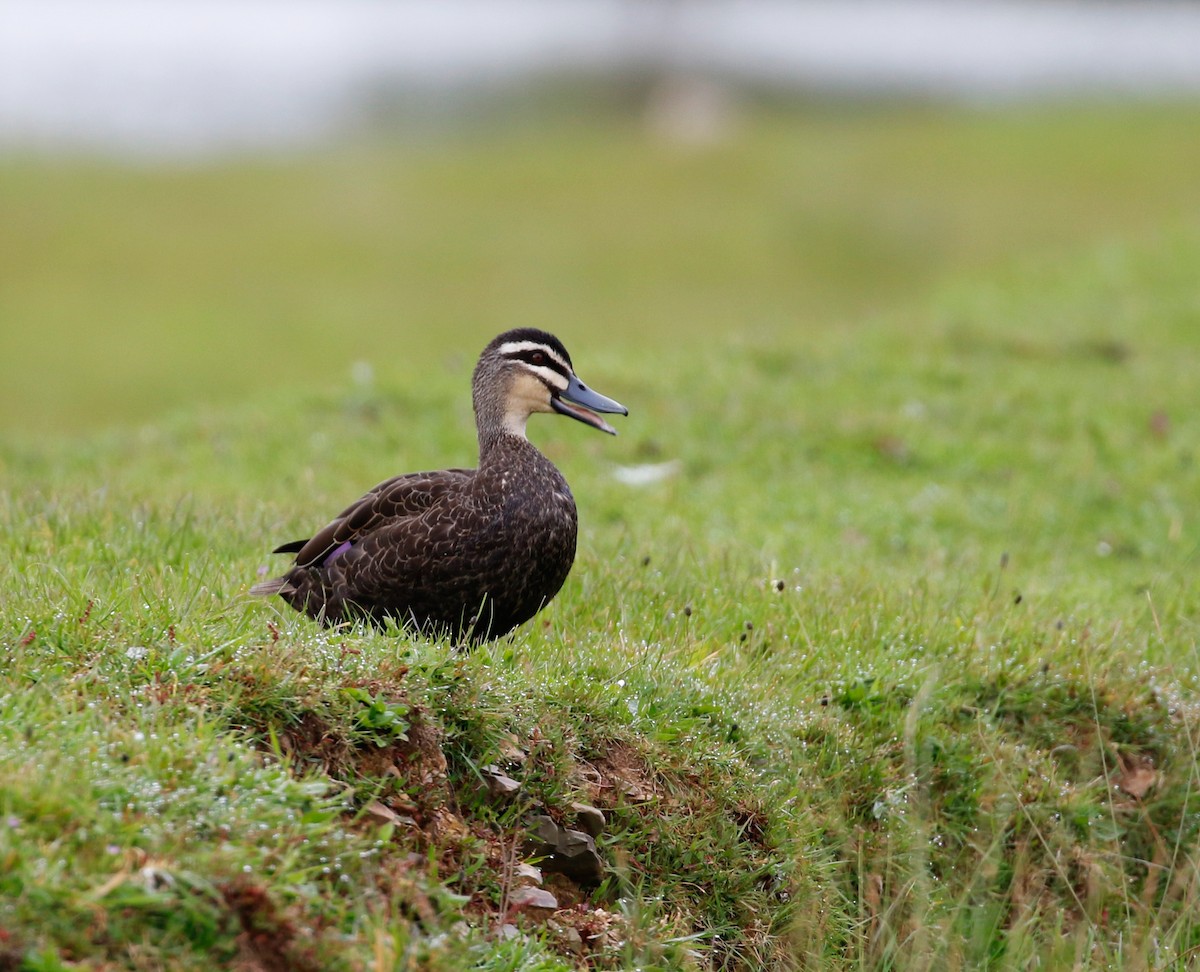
<point x="582" y="404"/>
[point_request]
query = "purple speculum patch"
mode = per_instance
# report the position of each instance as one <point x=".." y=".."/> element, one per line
<point x="337" y="552"/>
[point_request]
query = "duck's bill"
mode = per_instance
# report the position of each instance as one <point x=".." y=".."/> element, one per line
<point x="581" y="403"/>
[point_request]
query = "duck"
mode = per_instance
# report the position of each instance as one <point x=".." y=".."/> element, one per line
<point x="464" y="554"/>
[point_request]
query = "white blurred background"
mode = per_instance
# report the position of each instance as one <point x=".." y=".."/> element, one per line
<point x="209" y="76"/>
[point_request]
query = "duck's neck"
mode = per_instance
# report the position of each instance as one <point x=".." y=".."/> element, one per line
<point x="497" y="417"/>
<point x="496" y="442"/>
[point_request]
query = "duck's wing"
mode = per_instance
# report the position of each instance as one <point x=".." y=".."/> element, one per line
<point x="391" y="502"/>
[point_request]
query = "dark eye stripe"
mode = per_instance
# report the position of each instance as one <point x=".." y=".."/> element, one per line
<point x="531" y="355"/>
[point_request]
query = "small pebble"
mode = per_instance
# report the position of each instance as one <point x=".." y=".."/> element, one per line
<point x="527" y="874"/>
<point x="533" y="898"/>
<point x="590" y="819"/>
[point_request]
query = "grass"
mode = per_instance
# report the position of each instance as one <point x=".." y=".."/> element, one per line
<point x="896" y="670"/>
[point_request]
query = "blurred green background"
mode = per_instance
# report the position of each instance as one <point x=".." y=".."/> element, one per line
<point x="200" y="202"/>
<point x="129" y="288"/>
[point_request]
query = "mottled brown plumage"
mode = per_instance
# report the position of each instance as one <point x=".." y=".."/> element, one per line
<point x="465" y="553"/>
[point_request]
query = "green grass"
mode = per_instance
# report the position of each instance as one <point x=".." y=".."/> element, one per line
<point x="898" y="670"/>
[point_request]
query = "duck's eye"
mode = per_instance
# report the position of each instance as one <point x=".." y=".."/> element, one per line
<point x="538" y="358"/>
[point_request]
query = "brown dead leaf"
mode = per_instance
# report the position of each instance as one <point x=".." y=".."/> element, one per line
<point x="873" y="895"/>
<point x="383" y="812"/>
<point x="1137" y="780"/>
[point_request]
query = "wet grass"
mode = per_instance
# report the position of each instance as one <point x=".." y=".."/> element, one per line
<point x="895" y="668"/>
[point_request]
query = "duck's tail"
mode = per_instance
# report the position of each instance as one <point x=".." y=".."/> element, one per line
<point x="267" y="588"/>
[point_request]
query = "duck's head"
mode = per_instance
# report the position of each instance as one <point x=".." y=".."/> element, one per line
<point x="526" y="371"/>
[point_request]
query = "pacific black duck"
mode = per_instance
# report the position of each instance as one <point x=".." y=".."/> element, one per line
<point x="464" y="553"/>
